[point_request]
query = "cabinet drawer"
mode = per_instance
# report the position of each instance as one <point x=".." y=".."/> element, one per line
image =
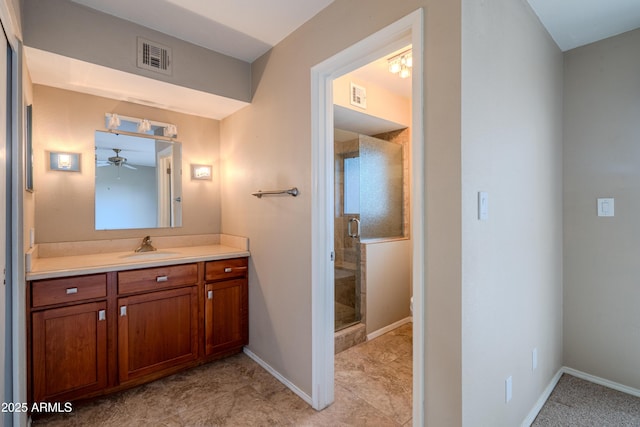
<point x="150" y="279"/>
<point x="68" y="289"/>
<point x="226" y="269"/>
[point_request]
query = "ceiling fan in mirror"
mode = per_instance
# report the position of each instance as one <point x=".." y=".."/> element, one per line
<point x="116" y="160"/>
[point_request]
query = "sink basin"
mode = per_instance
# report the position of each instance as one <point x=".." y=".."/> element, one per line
<point x="150" y="255"/>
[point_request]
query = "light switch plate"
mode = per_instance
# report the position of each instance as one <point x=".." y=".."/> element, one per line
<point x="606" y="206"/>
<point x="483" y="205"/>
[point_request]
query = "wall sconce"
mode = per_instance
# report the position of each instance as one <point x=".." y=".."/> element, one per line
<point x="201" y="172"/>
<point x="113" y="121"/>
<point x="401" y="64"/>
<point x="69" y="162"/>
<point x="170" y="131"/>
<point x="144" y="126"/>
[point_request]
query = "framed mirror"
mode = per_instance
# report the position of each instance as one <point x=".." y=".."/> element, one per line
<point x="138" y="181"/>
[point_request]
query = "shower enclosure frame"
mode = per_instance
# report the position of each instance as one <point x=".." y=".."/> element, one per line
<point x="370" y="203"/>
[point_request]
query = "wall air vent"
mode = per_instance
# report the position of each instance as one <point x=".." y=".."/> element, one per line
<point x="154" y="56"/>
<point x="358" y="96"/>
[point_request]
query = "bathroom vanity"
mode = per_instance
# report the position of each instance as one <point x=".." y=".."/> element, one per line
<point x="103" y="322"/>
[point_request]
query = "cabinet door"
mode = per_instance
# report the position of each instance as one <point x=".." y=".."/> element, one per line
<point x="69" y="351"/>
<point x="226" y="316"/>
<point x="157" y="331"/>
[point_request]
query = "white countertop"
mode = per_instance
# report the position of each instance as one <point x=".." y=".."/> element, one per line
<point x="75" y="265"/>
<point x="46" y="268"/>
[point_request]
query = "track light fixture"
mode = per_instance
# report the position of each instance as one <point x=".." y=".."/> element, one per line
<point x="401" y="64"/>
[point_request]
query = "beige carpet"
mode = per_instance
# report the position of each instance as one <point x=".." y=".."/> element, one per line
<point x="576" y="402"/>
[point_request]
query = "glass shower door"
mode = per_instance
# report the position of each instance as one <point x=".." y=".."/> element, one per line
<point x="381" y="188"/>
<point x="346" y="239"/>
<point x="369" y="205"/>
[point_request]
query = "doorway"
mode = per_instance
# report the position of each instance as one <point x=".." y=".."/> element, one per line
<point x="408" y="30"/>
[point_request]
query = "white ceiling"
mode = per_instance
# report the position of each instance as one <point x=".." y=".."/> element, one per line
<point x="574" y="23"/>
<point x="255" y="26"/>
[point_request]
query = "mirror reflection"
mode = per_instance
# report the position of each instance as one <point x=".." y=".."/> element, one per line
<point x="138" y="181"/>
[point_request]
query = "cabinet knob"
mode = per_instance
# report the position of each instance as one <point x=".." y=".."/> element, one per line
<point x="123" y="311"/>
<point x="209" y="294"/>
<point x="228" y="269"/>
<point x="71" y="291"/>
<point x="162" y="278"/>
<point x="102" y="315"/>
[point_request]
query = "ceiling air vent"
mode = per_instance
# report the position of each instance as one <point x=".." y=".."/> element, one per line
<point x="154" y="56"/>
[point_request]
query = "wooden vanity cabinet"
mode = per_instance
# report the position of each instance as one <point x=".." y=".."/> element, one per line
<point x="68" y="337"/>
<point x="226" y="306"/>
<point x="157" y="329"/>
<point x="95" y="334"/>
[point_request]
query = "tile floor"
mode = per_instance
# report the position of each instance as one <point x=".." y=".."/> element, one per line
<point x="373" y="387"/>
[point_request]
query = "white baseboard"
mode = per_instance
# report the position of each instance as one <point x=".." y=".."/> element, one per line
<point x="542" y="399"/>
<point x="611" y="384"/>
<point x="291" y="386"/>
<point x="579" y="374"/>
<point x="382" y="331"/>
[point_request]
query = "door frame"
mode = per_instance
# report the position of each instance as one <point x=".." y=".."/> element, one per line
<point x="5" y="222"/>
<point x="409" y="29"/>
<point x="16" y="344"/>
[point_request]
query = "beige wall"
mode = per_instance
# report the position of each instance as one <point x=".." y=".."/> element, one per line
<point x="268" y="145"/>
<point x="512" y="262"/>
<point x="75" y="31"/>
<point x="601" y="158"/>
<point x="64" y="201"/>
<point x="380" y="101"/>
<point x="388" y="283"/>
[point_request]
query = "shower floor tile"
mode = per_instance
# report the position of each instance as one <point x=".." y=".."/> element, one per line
<point x="344" y="315"/>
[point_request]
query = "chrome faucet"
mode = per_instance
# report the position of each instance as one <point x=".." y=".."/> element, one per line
<point x="146" y="245"/>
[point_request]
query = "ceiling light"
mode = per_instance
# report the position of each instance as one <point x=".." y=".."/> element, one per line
<point x="401" y="64"/>
<point x="394" y="66"/>
<point x="404" y="72"/>
<point x="408" y="59"/>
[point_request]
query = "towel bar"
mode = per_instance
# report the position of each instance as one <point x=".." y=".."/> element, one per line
<point x="292" y="192"/>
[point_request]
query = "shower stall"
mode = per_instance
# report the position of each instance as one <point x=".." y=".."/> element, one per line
<point x="369" y="206"/>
